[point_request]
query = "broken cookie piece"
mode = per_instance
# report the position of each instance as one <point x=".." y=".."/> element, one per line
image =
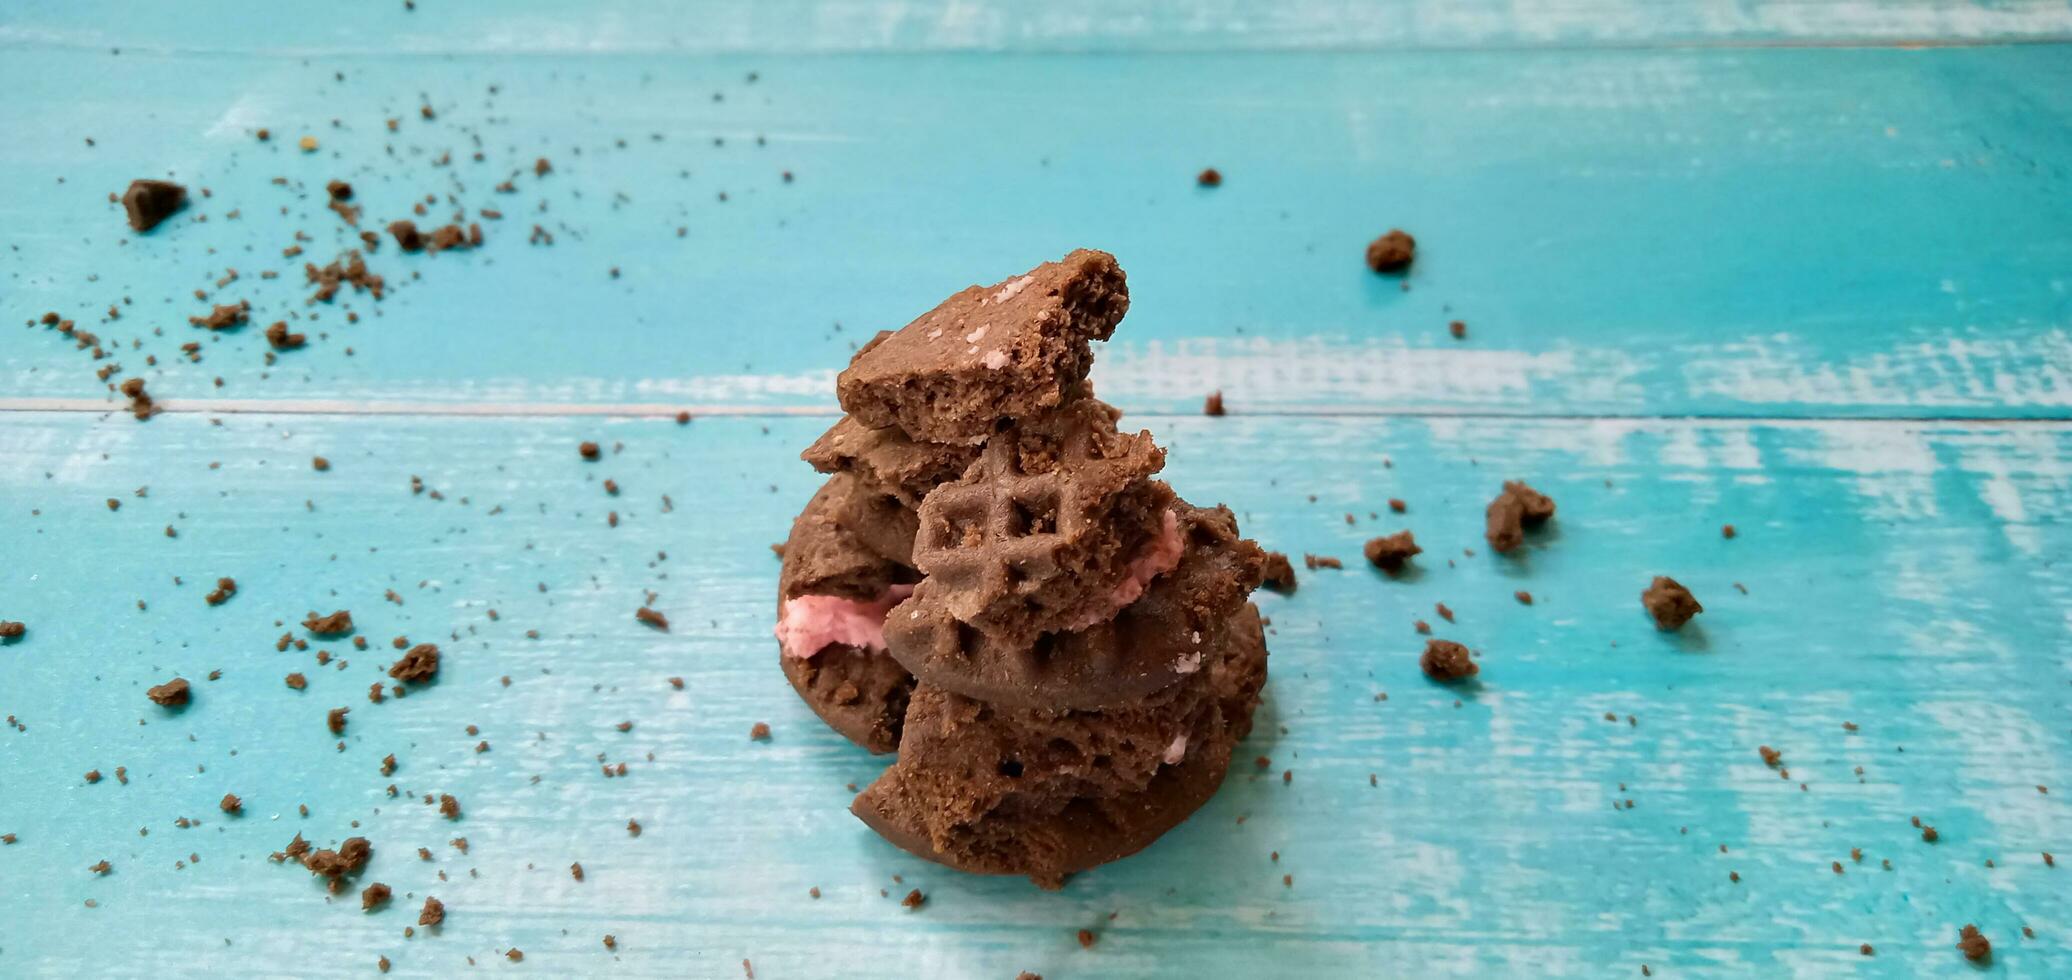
<point x="1391" y="252"/>
<point x="1009" y="350"/>
<point x="1446" y="661"/>
<point x="1518" y="507"/>
<point x="1391" y="552"/>
<point x="1670" y="603"/>
<point x="171" y="694"/>
<point x="148" y="202"/>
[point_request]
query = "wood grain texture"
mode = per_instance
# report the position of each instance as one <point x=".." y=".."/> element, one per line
<point x="1906" y="577"/>
<point x="765" y="26"/>
<point x="1772" y="233"/>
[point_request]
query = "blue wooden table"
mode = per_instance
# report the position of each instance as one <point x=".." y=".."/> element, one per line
<point x="1800" y="267"/>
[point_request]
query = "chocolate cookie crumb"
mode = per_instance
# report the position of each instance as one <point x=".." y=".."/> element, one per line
<point x="102" y="868"/>
<point x="170" y="694"/>
<point x="1087" y="939"/>
<point x="759" y="733"/>
<point x="320" y="464"/>
<point x="1398" y="506"/>
<point x="279" y="338"/>
<point x="335" y="719"/>
<point x="913" y="900"/>
<point x="1771" y="757"/>
<point x="1670" y="603"/>
<point x="1865" y="949"/>
<point x="1446" y="661"/>
<point x="1974" y="944"/>
<point x="1279" y="574"/>
<point x="1210" y="177"/>
<point x="1515" y="509"/>
<point x="374" y="896"/>
<point x="419" y="665"/>
<point x="633" y="828"/>
<point x="225" y="588"/>
<point x="449" y="807"/>
<point x="1389" y="553"/>
<point x="589" y="451"/>
<point x="1524" y="598"/>
<point x="1213" y="405"/>
<point x="1314" y="562"/>
<point x="1929" y="834"/>
<point x="1459" y="329"/>
<point x="1391" y="252"/>
<point x="148" y="202"/>
<point x="652" y="618"/>
<point x="1726" y="530"/>
<point x="576" y="871"/>
<point x="611" y="941"/>
<point x="224" y="316"/>
<point x="337" y="624"/>
<point x="433" y="914"/>
<point x="231" y="804"/>
<point x="10" y="630"/>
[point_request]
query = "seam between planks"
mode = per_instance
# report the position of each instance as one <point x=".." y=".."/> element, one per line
<point x="1507" y="47"/>
<point x="227" y="406"/>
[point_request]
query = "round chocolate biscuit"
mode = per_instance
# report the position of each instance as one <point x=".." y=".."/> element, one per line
<point x="1048" y="794"/>
<point x="860" y="693"/>
<point x="1152" y="642"/>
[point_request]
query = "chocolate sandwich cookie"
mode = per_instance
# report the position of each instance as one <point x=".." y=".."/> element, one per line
<point x="1046" y="794"/>
<point x="832" y="597"/>
<point x="1159" y="638"/>
<point x="1006" y="351"/>
<point x="888" y="460"/>
<point x="1056" y="527"/>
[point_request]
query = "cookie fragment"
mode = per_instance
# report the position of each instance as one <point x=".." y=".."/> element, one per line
<point x="1446" y="661"/>
<point x="337" y="624"/>
<point x="1392" y="252"/>
<point x="149" y="202"/>
<point x="1670" y="603"/>
<point x="1009" y="350"/>
<point x="418" y="665"/>
<point x="171" y="694"/>
<point x="1391" y="552"/>
<point x="1974" y="944"/>
<point x="1514" y="510"/>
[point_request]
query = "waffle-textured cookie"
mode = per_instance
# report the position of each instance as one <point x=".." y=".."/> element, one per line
<point x="1007" y="351"/>
<point x="1047" y="793"/>
<point x="1152" y="642"/>
<point x="1039" y="534"/>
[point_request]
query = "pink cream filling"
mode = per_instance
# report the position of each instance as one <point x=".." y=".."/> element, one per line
<point x="812" y="623"/>
<point x="1160" y="555"/>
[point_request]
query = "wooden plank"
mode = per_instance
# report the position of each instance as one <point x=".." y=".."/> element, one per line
<point x="764" y="26"/>
<point x="1900" y="576"/>
<point x="1719" y="232"/>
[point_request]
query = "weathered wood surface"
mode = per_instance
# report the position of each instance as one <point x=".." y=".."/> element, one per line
<point x="1899" y="577"/>
<point x="1716" y="266"/>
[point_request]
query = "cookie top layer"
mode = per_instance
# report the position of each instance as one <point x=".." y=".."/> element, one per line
<point x="1154" y="641"/>
<point x="1005" y="351"/>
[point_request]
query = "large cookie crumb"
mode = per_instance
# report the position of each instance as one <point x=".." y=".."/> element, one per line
<point x="1670" y="603"/>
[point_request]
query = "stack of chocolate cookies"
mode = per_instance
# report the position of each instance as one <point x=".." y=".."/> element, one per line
<point x="993" y="583"/>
